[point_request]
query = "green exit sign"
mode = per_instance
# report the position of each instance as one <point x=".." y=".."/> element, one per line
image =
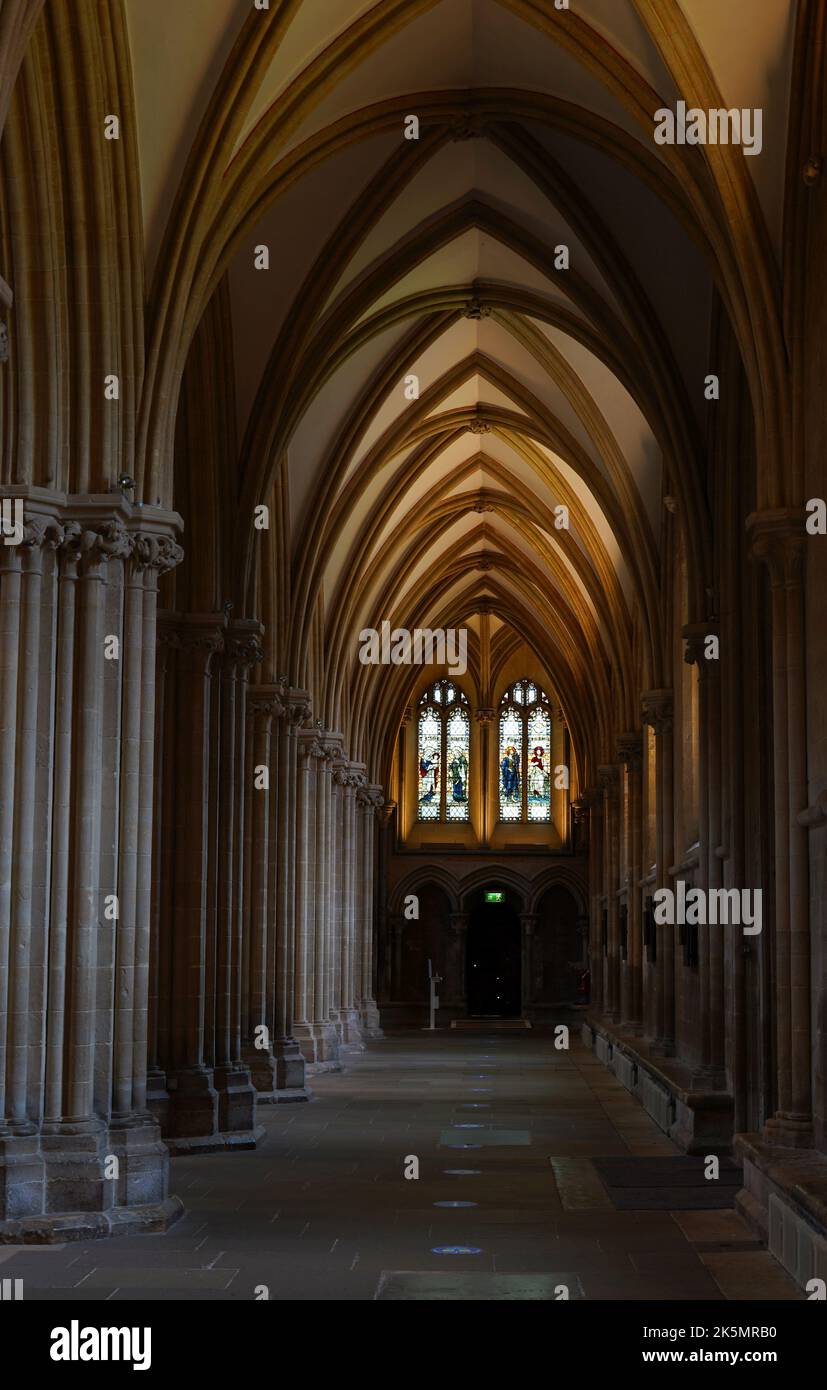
<point x="495" y="897"/>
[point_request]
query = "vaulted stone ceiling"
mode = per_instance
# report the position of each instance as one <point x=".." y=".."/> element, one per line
<point x="540" y="385"/>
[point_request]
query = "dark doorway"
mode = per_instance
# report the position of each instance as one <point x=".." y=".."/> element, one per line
<point x="494" y="955"/>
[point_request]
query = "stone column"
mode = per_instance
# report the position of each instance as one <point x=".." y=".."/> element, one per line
<point x="488" y="818"/>
<point x="403" y="818"/>
<point x="309" y="751"/>
<point x="336" y="912"/>
<point x="710" y="1073"/>
<point x="193" y="1121"/>
<point x="133" y="1129"/>
<point x="23" y="1182"/>
<point x="630" y="753"/>
<point x="369" y="800"/>
<point x="68" y="561"/>
<point x="386" y="822"/>
<point x="322" y="878"/>
<point x="609" y="776"/>
<point x="778" y="539"/>
<point x="715" y="876"/>
<point x="265" y="707"/>
<point x="528" y="924"/>
<point x="22" y="577"/>
<point x="580" y="824"/>
<point x="163" y="872"/>
<point x="77" y="639"/>
<point x="236" y="1094"/>
<point x="290" y="1063"/>
<point x="593" y="798"/>
<point x="657" y="712"/>
<point x="395" y="939"/>
<point x="353" y="778"/>
<point x="457" y="963"/>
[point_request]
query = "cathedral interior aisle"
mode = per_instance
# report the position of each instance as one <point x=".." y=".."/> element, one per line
<point x="506" y="1130"/>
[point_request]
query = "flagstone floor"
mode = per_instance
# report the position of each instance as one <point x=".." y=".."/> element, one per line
<point x="507" y="1205"/>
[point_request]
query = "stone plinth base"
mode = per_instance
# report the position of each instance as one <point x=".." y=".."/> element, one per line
<point x="289" y="1067"/>
<point x="66" y="1226"/>
<point x="218" y="1142"/>
<point x="351" y="1031"/>
<point x="318" y="1044"/>
<point x="236" y="1100"/>
<point x="784" y="1199"/>
<point x="261" y="1065"/>
<point x="86" y="1180"/>
<point x="370" y="1024"/>
<point x="698" y="1120"/>
<point x="207" y="1118"/>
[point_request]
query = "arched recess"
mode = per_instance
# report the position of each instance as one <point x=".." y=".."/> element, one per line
<point x="422" y="941"/>
<point x="494" y="875"/>
<point x="555" y="950"/>
<point x="563" y="876"/>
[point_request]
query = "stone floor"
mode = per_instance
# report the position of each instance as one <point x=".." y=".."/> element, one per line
<point x="504" y="1128"/>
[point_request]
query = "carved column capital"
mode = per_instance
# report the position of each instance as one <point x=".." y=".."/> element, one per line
<point x="310" y="745"/>
<point x="198" y="636"/>
<point x="630" y="750"/>
<point x="243" y="643"/>
<point x="158" y="553"/>
<point x="657" y="707"/>
<point x="369" y="798"/>
<point x="695" y="636"/>
<point x="484" y="716"/>
<point x="298" y="707"/>
<point x="608" y="776"/>
<point x="267" y="701"/>
<point x="777" y="538"/>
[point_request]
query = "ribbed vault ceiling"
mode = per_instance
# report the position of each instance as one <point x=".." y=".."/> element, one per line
<point x="538" y="386"/>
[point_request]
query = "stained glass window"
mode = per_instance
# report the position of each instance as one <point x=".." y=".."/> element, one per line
<point x="457" y="753"/>
<point x="525" y="757"/>
<point x="511" y="761"/>
<point x="430" y="757"/>
<point x="539" y="764"/>
<point x="444" y="750"/>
